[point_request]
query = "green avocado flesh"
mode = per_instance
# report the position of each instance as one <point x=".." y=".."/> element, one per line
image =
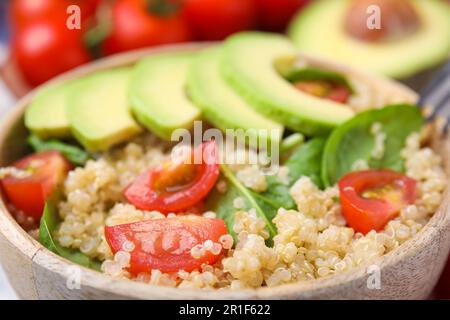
<point x="158" y="94"/>
<point x="248" y="64"/>
<point x="319" y="30"/>
<point x="220" y="104"/>
<point x="99" y="112"/>
<point x="46" y="115"/>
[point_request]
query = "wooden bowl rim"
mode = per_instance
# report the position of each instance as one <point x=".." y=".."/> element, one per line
<point x="32" y="249"/>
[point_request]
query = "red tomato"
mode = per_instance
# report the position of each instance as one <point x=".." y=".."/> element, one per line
<point x="274" y="15"/>
<point x="26" y="12"/>
<point x="48" y="169"/>
<point x="322" y="89"/>
<point x="339" y="94"/>
<point x="165" y="244"/>
<point x="175" y="187"/>
<point x="46" y="49"/>
<point x="217" y="19"/>
<point x="134" y="26"/>
<point x="371" y="198"/>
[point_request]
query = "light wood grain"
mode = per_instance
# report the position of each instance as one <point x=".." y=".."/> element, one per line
<point x="410" y="271"/>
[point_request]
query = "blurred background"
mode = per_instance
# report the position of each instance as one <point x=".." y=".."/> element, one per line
<point x="40" y="39"/>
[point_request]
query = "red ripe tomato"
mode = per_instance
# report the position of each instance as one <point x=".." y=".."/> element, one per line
<point x="134" y="26"/>
<point x="371" y="198"/>
<point x="26" y="12"/>
<point x="274" y="15"/>
<point x="217" y="19"/>
<point x="339" y="94"/>
<point x="165" y="244"/>
<point x="45" y="49"/>
<point x="48" y="170"/>
<point x="326" y="90"/>
<point x="175" y="187"/>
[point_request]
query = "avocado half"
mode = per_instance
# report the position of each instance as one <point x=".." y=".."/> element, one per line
<point x="319" y="30"/>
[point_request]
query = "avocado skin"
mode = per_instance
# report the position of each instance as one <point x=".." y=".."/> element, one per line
<point x="271" y="106"/>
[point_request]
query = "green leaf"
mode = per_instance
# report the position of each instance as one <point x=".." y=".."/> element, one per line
<point x="72" y="153"/>
<point x="305" y="161"/>
<point x="222" y="203"/>
<point x="49" y="223"/>
<point x="354" y="141"/>
<point x="315" y="74"/>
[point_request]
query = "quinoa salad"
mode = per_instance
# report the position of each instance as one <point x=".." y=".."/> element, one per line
<point x="351" y="185"/>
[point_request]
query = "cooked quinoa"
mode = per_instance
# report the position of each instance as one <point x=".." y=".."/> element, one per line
<point x="311" y="242"/>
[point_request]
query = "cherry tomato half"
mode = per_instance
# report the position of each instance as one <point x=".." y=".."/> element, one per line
<point x="217" y="19"/>
<point x="134" y="25"/>
<point x="165" y="244"/>
<point x="48" y="170"/>
<point x="176" y="186"/>
<point x="371" y="198"/>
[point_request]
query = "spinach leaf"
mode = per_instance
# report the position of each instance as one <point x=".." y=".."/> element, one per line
<point x="304" y="161"/>
<point x="354" y="141"/>
<point x="222" y="203"/>
<point x="315" y="74"/>
<point x="74" y="154"/>
<point x="49" y="222"/>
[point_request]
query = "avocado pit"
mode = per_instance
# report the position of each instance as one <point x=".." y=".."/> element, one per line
<point x="398" y="19"/>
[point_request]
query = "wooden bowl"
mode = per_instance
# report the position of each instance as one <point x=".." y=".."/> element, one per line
<point x="409" y="272"/>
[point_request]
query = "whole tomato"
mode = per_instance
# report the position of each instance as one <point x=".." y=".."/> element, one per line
<point x="274" y="15"/>
<point x="26" y="12"/>
<point x="45" y="49"/>
<point x="140" y="23"/>
<point x="217" y="19"/>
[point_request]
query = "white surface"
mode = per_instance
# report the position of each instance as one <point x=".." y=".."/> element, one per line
<point x="6" y="98"/>
<point x="6" y="292"/>
<point x="6" y="102"/>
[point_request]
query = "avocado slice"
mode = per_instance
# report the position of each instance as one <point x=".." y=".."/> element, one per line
<point x="319" y="30"/>
<point x="46" y="115"/>
<point x="158" y="94"/>
<point x="220" y="104"/>
<point x="248" y="63"/>
<point x="98" y="110"/>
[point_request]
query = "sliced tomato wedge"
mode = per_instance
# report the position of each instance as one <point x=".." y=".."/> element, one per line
<point x="165" y="244"/>
<point x="371" y="198"/>
<point x="322" y="89"/>
<point x="176" y="186"/>
<point x="47" y="171"/>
